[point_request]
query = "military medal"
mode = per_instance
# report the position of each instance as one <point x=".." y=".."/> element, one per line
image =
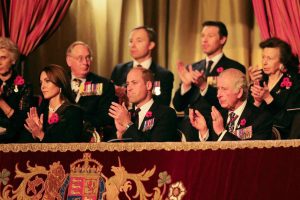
<point x="156" y="88"/>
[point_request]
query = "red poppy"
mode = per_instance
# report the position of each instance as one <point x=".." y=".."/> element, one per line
<point x="243" y="122"/>
<point x="53" y="119"/>
<point x="220" y="69"/>
<point x="149" y="114"/>
<point x="19" y="80"/>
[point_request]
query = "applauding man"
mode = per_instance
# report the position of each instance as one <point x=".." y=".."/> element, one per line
<point x="239" y="119"/>
<point x="148" y="120"/>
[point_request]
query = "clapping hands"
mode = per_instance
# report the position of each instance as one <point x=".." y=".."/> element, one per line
<point x="34" y="123"/>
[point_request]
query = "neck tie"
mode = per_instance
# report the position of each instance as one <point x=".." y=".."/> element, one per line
<point x="232" y="117"/>
<point x="208" y="67"/>
<point x="139" y="65"/>
<point x="135" y="116"/>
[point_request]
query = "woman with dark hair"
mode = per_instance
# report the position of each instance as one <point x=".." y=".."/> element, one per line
<point x="15" y="94"/>
<point x="58" y="118"/>
<point x="276" y="87"/>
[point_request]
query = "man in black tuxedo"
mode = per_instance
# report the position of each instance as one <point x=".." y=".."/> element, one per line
<point x="244" y="120"/>
<point x="141" y="44"/>
<point x="198" y="81"/>
<point x="148" y="121"/>
<point x="93" y="93"/>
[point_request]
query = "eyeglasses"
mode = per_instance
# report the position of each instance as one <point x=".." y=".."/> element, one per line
<point x="82" y="58"/>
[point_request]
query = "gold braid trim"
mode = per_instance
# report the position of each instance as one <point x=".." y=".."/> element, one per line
<point x="147" y="146"/>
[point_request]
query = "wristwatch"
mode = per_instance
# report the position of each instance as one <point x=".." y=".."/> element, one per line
<point x="128" y="125"/>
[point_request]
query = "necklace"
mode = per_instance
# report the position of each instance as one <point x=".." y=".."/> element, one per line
<point x="52" y="110"/>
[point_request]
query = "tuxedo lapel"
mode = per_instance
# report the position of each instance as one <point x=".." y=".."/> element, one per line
<point x="200" y="66"/>
<point x="245" y="116"/>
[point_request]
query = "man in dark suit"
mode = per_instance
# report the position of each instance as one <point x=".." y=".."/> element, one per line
<point x="93" y="93"/>
<point x="141" y="44"/>
<point x="198" y="81"/>
<point x="148" y="121"/>
<point x="244" y="120"/>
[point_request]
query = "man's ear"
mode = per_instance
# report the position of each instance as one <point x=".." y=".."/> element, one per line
<point x="223" y="40"/>
<point x="149" y="85"/>
<point x="152" y="45"/>
<point x="68" y="60"/>
<point x="240" y="93"/>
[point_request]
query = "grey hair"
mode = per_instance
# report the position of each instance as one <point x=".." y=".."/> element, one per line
<point x="71" y="47"/>
<point x="6" y="43"/>
<point x="239" y="81"/>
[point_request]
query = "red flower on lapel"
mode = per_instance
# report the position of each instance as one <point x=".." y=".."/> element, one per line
<point x="220" y="69"/>
<point x="286" y="82"/>
<point x="149" y="114"/>
<point x="19" y="80"/>
<point x="53" y="119"/>
<point x="243" y="122"/>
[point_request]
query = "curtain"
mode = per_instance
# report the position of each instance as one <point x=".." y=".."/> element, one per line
<point x="105" y="25"/>
<point x="32" y="22"/>
<point x="277" y="18"/>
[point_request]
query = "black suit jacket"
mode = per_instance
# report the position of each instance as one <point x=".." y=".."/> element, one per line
<point x="160" y="127"/>
<point x="96" y="107"/>
<point x="257" y="120"/>
<point x="284" y="98"/>
<point x="20" y="101"/>
<point x="67" y="129"/>
<point x="161" y="74"/>
<point x="182" y="102"/>
<point x="261" y="122"/>
<point x="193" y="98"/>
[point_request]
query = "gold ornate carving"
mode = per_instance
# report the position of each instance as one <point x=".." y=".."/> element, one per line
<point x="147" y="146"/>
<point x="84" y="180"/>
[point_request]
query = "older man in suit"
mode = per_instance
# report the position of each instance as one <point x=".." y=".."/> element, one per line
<point x="93" y="93"/>
<point x="148" y="121"/>
<point x="238" y="119"/>
<point x="198" y="81"/>
<point x="141" y="45"/>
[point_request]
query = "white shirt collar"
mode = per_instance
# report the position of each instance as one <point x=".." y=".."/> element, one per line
<point x="73" y="87"/>
<point x="73" y="76"/>
<point x="144" y="109"/>
<point x="145" y="64"/>
<point x="215" y="59"/>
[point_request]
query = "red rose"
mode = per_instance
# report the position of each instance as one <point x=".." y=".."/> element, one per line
<point x="220" y="69"/>
<point x="149" y="114"/>
<point x="53" y="119"/>
<point x="243" y="122"/>
<point x="19" y="80"/>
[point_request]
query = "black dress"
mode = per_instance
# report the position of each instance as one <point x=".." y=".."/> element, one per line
<point x="67" y="127"/>
<point x="18" y="95"/>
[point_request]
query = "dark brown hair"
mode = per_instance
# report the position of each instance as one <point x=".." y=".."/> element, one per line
<point x="222" y="28"/>
<point x="61" y="78"/>
<point x="150" y="31"/>
<point x="287" y="58"/>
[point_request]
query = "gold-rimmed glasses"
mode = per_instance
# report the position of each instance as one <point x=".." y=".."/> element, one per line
<point x="82" y="58"/>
